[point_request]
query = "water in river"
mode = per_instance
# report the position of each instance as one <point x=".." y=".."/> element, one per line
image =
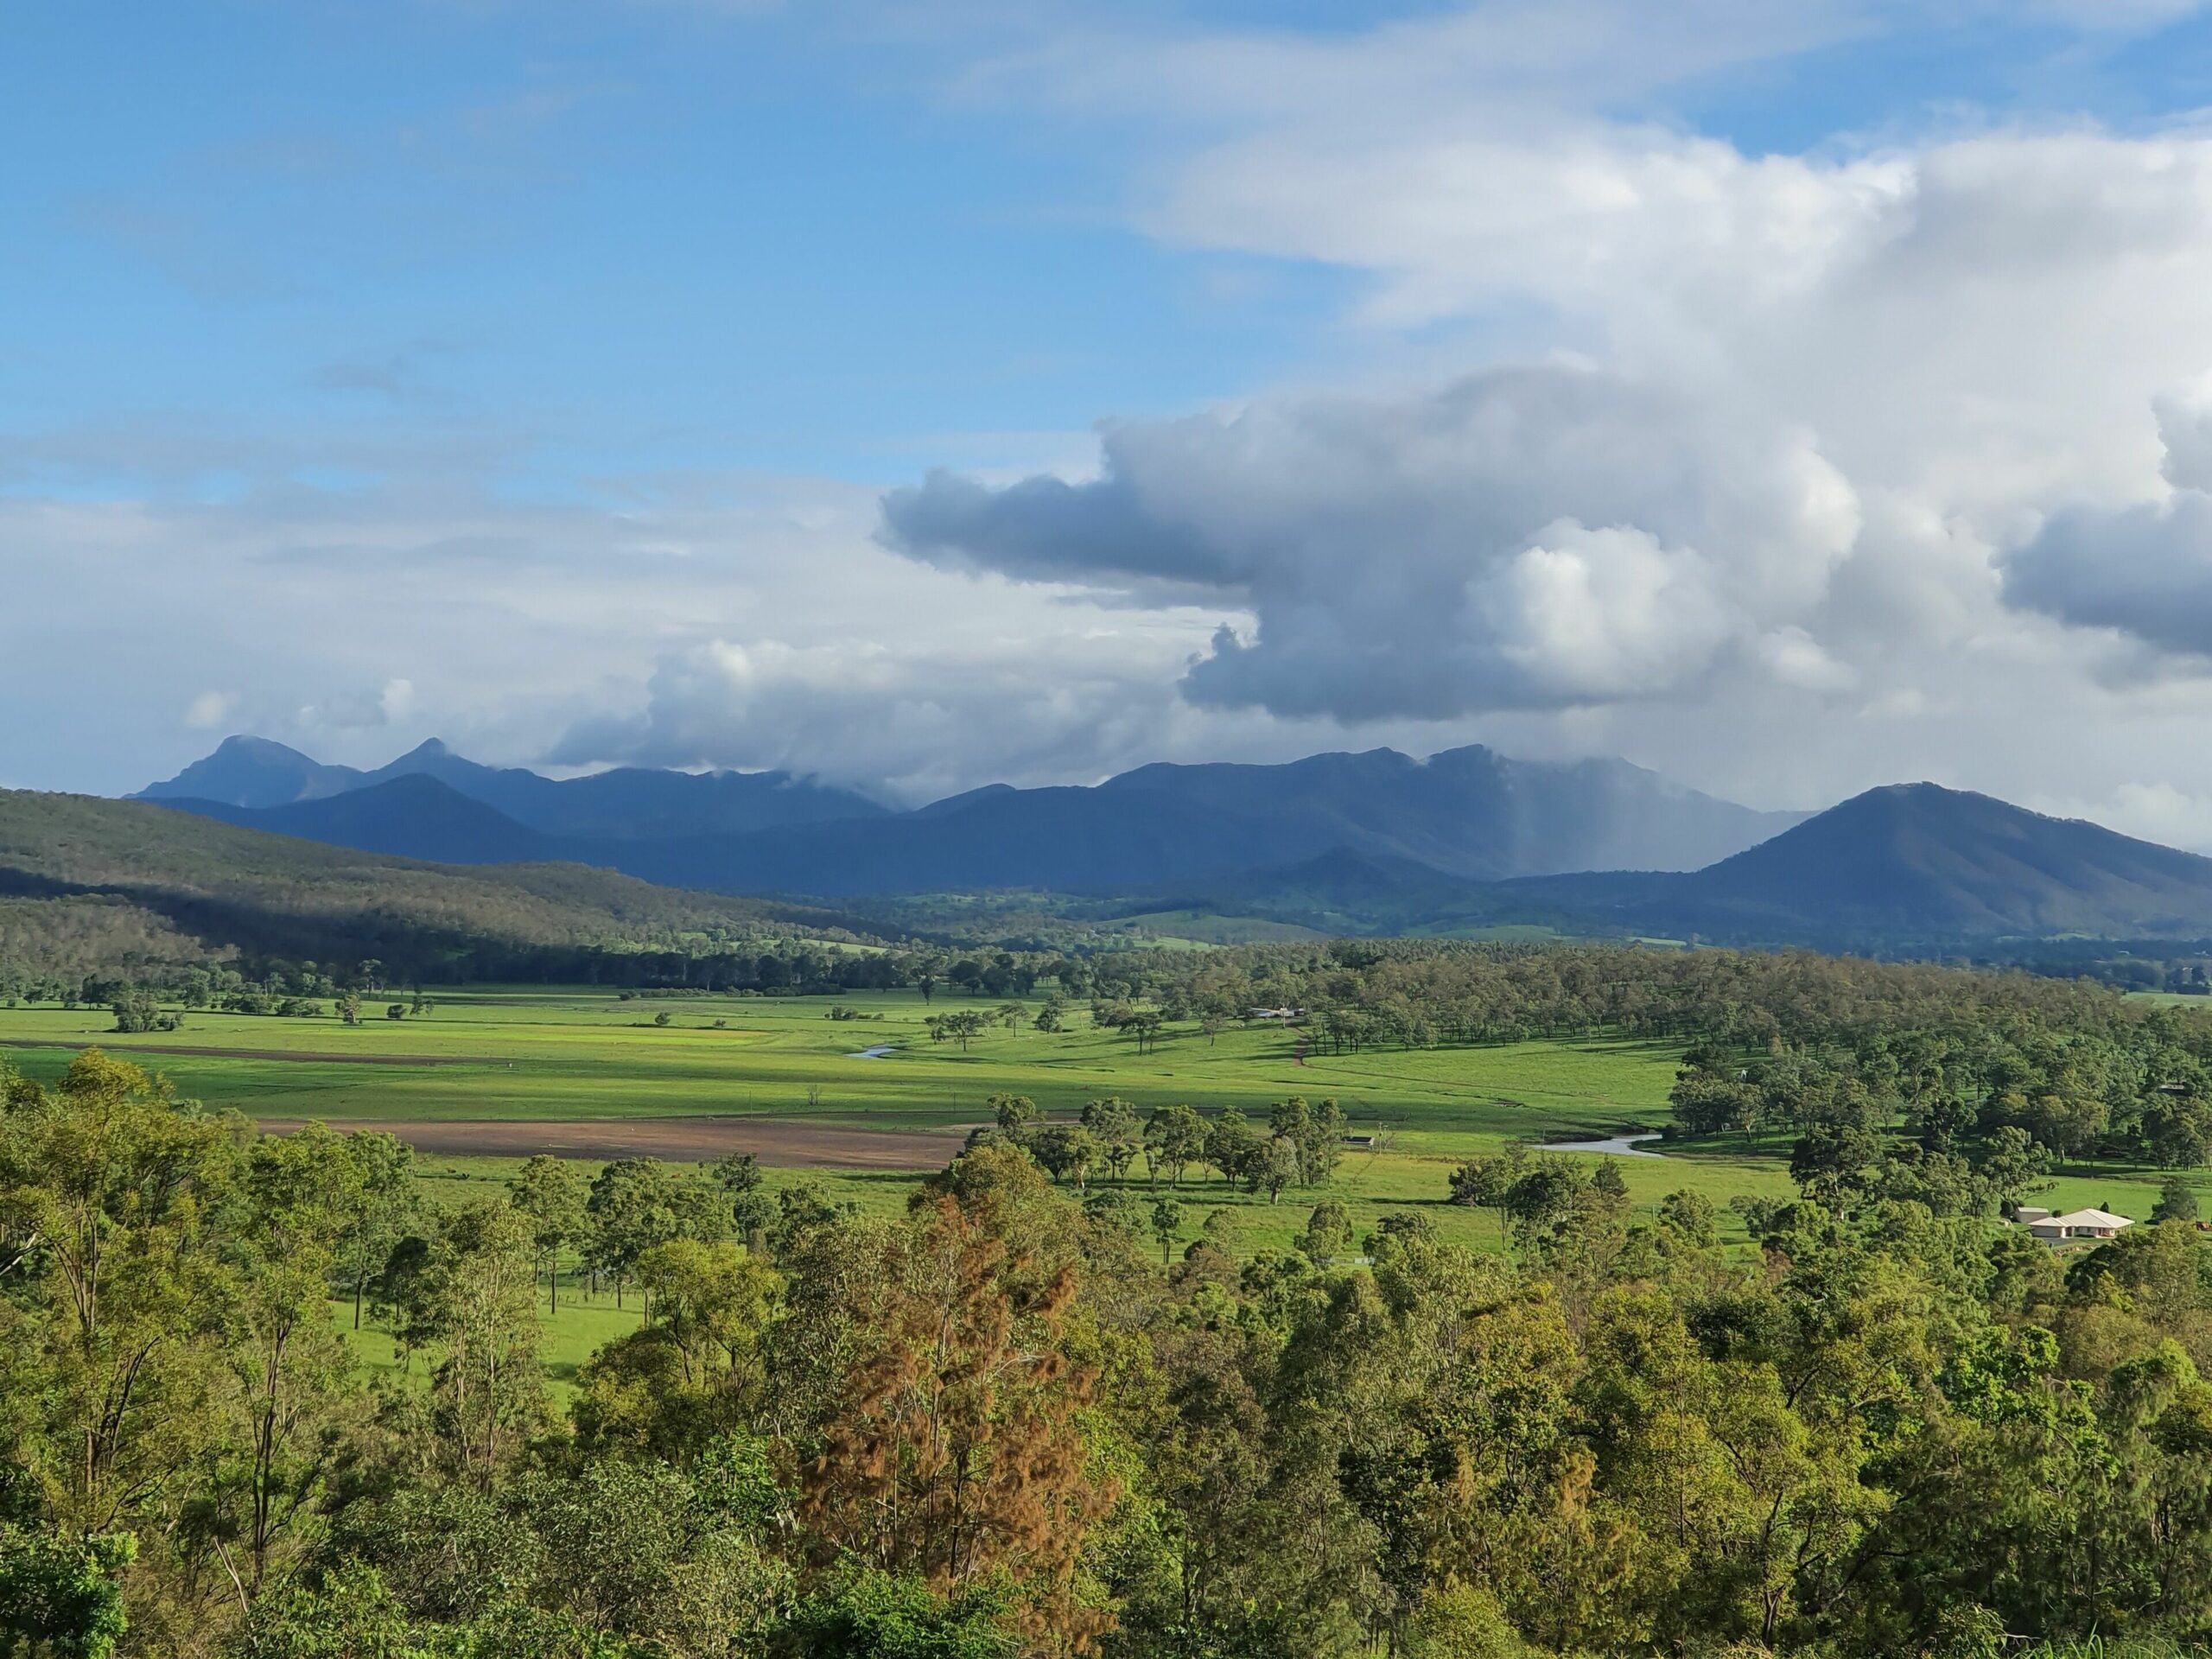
<point x="1625" y="1146"/>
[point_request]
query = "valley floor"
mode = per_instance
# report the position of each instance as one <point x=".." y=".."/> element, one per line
<point x="494" y="1074"/>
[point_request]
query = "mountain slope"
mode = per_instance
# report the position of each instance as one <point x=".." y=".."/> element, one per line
<point x="410" y="816"/>
<point x="1919" y="855"/>
<point x="1911" y="862"/>
<point x="114" y="882"/>
<point x="1468" y="814"/>
<point x="1471" y="812"/>
<point x="253" y="771"/>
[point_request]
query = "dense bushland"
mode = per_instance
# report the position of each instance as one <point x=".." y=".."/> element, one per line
<point x="999" y="1424"/>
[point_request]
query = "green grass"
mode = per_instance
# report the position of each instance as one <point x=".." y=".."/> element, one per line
<point x="533" y="1053"/>
<point x="578" y="1053"/>
<point x="570" y="1337"/>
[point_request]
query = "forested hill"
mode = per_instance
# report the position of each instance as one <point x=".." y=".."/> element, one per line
<point x="89" y="884"/>
<point x="1911" y="863"/>
<point x="1916" y="852"/>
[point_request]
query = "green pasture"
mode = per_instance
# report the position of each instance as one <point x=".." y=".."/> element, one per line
<point x="493" y="1053"/>
<point x="531" y="1053"/>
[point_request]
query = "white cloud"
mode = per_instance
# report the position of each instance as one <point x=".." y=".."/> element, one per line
<point x="396" y="701"/>
<point x="748" y="622"/>
<point x="1908" y="431"/>
<point x="1528" y="537"/>
<point x="209" y="710"/>
<point x="2184" y="414"/>
<point x="913" y="724"/>
<point x="1794" y="657"/>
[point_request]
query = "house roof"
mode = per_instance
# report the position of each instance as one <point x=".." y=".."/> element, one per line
<point x="2088" y="1218"/>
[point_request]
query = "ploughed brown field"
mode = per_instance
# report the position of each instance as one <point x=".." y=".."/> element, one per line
<point x="782" y="1141"/>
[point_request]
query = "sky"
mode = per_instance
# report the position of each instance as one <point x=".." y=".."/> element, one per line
<point x="1790" y="397"/>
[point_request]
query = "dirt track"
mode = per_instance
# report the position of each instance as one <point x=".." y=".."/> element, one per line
<point x="785" y="1142"/>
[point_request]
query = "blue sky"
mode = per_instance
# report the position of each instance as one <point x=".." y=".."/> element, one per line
<point x="614" y="236"/>
<point x="537" y="375"/>
<point x="618" y="237"/>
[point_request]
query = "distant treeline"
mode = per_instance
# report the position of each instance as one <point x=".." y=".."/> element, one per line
<point x="1344" y="995"/>
<point x="1420" y="992"/>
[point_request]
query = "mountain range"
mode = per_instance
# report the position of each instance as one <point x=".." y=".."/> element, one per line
<point x="1469" y="814"/>
<point x="1467" y="840"/>
<point x="254" y="775"/>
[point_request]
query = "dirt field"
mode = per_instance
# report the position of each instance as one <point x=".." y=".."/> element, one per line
<point x="785" y="1142"/>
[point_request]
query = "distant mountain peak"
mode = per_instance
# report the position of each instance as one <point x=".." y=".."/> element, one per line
<point x="246" y="743"/>
<point x="257" y="774"/>
<point x="1943" y="862"/>
<point x="254" y="771"/>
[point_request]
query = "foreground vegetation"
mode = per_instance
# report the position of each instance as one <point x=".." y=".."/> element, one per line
<point x="1220" y="1333"/>
<point x="993" y="1420"/>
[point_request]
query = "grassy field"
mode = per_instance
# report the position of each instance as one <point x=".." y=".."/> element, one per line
<point x="512" y="1053"/>
<point x="491" y="1053"/>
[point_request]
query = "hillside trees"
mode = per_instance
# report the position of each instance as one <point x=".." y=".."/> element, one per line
<point x="637" y="1203"/>
<point x="174" y="1393"/>
<point x="957" y="1451"/>
<point x="1118" y="1128"/>
<point x="1175" y="1138"/>
<point x="477" y="1303"/>
<point x="554" y="1196"/>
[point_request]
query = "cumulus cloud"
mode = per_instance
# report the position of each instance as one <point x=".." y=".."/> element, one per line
<point x="2184" y="415"/>
<point x="2145" y="571"/>
<point x="1534" y="536"/>
<point x="911" y="725"/>
<point x="1877" y="430"/>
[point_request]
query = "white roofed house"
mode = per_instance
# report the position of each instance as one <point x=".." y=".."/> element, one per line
<point x="2077" y="1224"/>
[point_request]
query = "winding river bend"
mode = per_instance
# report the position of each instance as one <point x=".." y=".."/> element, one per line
<point x="1622" y="1146"/>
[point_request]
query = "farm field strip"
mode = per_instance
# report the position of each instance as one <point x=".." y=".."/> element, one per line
<point x="586" y="1055"/>
<point x="533" y="1068"/>
<point x="783" y="1143"/>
